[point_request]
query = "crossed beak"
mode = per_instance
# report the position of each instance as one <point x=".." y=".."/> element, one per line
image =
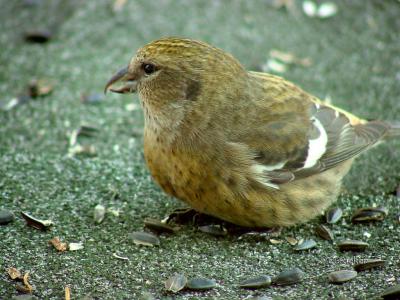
<point x="122" y="76"/>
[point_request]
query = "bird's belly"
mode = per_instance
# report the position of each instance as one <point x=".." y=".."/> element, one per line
<point x="216" y="191"/>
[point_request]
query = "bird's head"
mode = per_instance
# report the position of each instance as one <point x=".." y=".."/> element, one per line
<point x="170" y="70"/>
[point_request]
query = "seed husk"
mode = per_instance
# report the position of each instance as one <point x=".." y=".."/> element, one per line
<point x="144" y="238"/>
<point x="14" y="273"/>
<point x="176" y="283"/>
<point x="99" y="213"/>
<point x="305" y="245"/>
<point x="215" y="230"/>
<point x="369" y="214"/>
<point x="291" y="240"/>
<point x="36" y="223"/>
<point x="341" y="276"/>
<point x="60" y="246"/>
<point x="75" y="246"/>
<point x="201" y="284"/>
<point x="158" y="226"/>
<point x="333" y="215"/>
<point x="369" y="264"/>
<point x="352" y="245"/>
<point x="324" y="232"/>
<point x="289" y="276"/>
<point x="6" y="216"/>
<point x="256" y="282"/>
<point x="392" y="292"/>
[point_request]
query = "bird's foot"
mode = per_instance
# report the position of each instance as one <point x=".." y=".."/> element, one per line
<point x="190" y="216"/>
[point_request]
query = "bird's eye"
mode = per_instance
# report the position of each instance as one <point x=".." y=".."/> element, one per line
<point x="149" y="68"/>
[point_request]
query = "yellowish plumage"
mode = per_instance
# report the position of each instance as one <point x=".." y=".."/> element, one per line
<point x="247" y="147"/>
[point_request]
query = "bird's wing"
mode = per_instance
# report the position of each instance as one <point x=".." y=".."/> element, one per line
<point x="326" y="138"/>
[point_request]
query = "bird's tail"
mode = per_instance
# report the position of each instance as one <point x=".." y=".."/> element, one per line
<point x="394" y="129"/>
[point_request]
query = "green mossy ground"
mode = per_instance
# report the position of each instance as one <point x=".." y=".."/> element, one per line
<point x="356" y="62"/>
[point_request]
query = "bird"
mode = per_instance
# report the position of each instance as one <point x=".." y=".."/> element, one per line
<point x="246" y="147"/>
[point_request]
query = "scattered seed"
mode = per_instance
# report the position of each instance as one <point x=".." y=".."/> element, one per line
<point x="369" y="264"/>
<point x="341" y="276"/>
<point x="120" y="257"/>
<point x="291" y="240"/>
<point x="86" y="150"/>
<point x="92" y="98"/>
<point x="289" y="58"/>
<point x="14" y="102"/>
<point x="39" y="88"/>
<point x="352" y="245"/>
<point x="75" y="246"/>
<point x="158" y="226"/>
<point x="6" y="216"/>
<point x="369" y="214"/>
<point x="273" y="65"/>
<point x="256" y="282"/>
<point x="215" y="230"/>
<point x="327" y="10"/>
<point x="176" y="283"/>
<point x="275" y="242"/>
<point x="36" y="223"/>
<point x="305" y="245"/>
<point x="144" y="238"/>
<point x="61" y="247"/>
<point x="324" y="232"/>
<point x="14" y="273"/>
<point x="310" y="8"/>
<point x="84" y="130"/>
<point x="333" y="215"/>
<point x="99" y="213"/>
<point x="392" y="292"/>
<point x="201" y="284"/>
<point x="26" y="288"/>
<point x="38" y="36"/>
<point x="287" y="277"/>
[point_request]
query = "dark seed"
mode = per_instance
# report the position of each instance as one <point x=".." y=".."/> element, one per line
<point x="176" y="283"/>
<point x="333" y="215"/>
<point x="215" y="230"/>
<point x="324" y="232"/>
<point x="341" y="276"/>
<point x="144" y="238"/>
<point x="290" y="276"/>
<point x="305" y="245"/>
<point x="36" y="223"/>
<point x="92" y="98"/>
<point x="392" y="292"/>
<point x="38" y="36"/>
<point x="6" y="216"/>
<point x="369" y="214"/>
<point x="256" y="282"/>
<point x="352" y="245"/>
<point x="201" y="284"/>
<point x="369" y="264"/>
<point x="158" y="226"/>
